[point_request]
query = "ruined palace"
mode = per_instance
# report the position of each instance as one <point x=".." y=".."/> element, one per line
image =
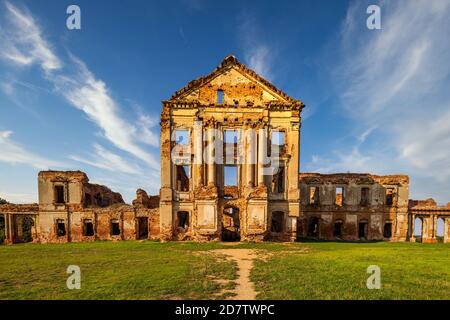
<point x="230" y="171"/>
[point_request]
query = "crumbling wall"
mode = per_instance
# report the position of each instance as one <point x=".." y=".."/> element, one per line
<point x="371" y="207"/>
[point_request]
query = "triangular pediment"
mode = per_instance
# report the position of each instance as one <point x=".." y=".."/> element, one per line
<point x="239" y="84"/>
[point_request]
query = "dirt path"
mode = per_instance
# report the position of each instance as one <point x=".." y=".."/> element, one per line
<point x="244" y="258"/>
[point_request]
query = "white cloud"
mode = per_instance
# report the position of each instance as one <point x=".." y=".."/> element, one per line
<point x="107" y="160"/>
<point x="25" y="46"/>
<point x="91" y="95"/>
<point x="258" y="54"/>
<point x="396" y="80"/>
<point x="13" y="153"/>
<point x="22" y="41"/>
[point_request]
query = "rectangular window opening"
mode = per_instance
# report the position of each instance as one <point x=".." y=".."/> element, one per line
<point x="389" y="196"/>
<point x="59" y="194"/>
<point x="219" y="96"/>
<point x="339" y="200"/>
<point x="278" y="142"/>
<point x="183" y="219"/>
<point x="314" y="195"/>
<point x="278" y="181"/>
<point x="182" y="183"/>
<point x="115" y="227"/>
<point x="365" y="200"/>
<point x="230" y="175"/>
<point x="182" y="137"/>
<point x="60" y="228"/>
<point x="88" y="230"/>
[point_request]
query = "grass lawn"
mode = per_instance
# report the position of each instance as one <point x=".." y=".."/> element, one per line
<point x="112" y="270"/>
<point x="153" y="270"/>
<point x="333" y="270"/>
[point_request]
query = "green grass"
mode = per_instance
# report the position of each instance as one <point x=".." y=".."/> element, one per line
<point x="330" y="270"/>
<point x="112" y="270"/>
<point x="185" y="270"/>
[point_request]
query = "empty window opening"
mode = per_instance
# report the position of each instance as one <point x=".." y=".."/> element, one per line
<point x="389" y="196"/>
<point x="277" y="221"/>
<point x="236" y="103"/>
<point x="88" y="230"/>
<point x="278" y="142"/>
<point x="2" y="229"/>
<point x="365" y="196"/>
<point x="59" y="194"/>
<point x="362" y="230"/>
<point x="219" y="96"/>
<point x="339" y="199"/>
<point x="182" y="183"/>
<point x="87" y="199"/>
<point x="182" y="137"/>
<point x="230" y="224"/>
<point x="115" y="227"/>
<point x="440" y="229"/>
<point x="230" y="175"/>
<point x="143" y="228"/>
<point x="418" y="228"/>
<point x="387" y="232"/>
<point x="60" y="228"/>
<point x="313" y="195"/>
<point x="313" y="227"/>
<point x="231" y="138"/>
<point x="278" y="181"/>
<point x="183" y="219"/>
<point x="27" y="229"/>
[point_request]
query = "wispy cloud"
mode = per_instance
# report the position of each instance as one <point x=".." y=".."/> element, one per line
<point x="14" y="153"/>
<point x="396" y="80"/>
<point x="76" y="83"/>
<point x="91" y="95"/>
<point x="258" y="54"/>
<point x="23" y="42"/>
<point x="107" y="160"/>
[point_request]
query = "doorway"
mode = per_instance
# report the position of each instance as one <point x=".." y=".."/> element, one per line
<point x="142" y="228"/>
<point x="231" y="230"/>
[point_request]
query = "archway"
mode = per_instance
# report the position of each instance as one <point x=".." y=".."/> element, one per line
<point x="418" y="229"/>
<point x="440" y="229"/>
<point x="231" y="230"/>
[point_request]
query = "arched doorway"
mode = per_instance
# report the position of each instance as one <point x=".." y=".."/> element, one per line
<point x="231" y="229"/>
<point x="418" y="229"/>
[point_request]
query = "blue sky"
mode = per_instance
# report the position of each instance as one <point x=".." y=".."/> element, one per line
<point x="376" y="100"/>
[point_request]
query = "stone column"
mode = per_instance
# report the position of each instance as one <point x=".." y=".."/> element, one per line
<point x="210" y="157"/>
<point x="250" y="156"/>
<point x="166" y="149"/>
<point x="197" y="138"/>
<point x="292" y="145"/>
<point x="262" y="154"/>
